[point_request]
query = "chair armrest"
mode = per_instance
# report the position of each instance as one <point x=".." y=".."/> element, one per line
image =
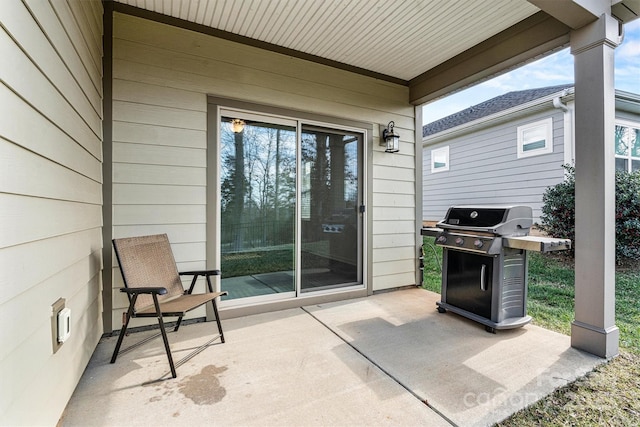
<point x="200" y="273"/>
<point x="157" y="290"/>
<point x="197" y="273"/>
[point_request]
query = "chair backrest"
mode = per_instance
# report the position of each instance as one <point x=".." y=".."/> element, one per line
<point x="147" y="261"/>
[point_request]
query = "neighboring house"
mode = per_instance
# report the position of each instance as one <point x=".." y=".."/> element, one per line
<point x="130" y="117"/>
<point x="511" y="148"/>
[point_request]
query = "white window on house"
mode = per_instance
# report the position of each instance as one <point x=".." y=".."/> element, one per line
<point x="440" y="159"/>
<point x="627" y="147"/>
<point x="535" y="138"/>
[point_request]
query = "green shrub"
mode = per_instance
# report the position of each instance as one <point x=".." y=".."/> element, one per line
<point x="558" y="212"/>
<point x="627" y="216"/>
<point x="559" y="208"/>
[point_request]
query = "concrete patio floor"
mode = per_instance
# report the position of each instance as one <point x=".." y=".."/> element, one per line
<point x="389" y="359"/>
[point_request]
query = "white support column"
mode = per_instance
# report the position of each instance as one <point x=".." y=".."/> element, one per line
<point x="594" y="328"/>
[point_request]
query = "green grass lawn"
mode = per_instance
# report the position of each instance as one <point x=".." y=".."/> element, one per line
<point x="610" y="395"/>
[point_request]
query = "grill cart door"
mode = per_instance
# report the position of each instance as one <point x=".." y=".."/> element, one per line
<point x="470" y="286"/>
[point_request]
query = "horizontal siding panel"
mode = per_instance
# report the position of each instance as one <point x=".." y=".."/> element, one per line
<point x="394" y="240"/>
<point x="393" y="187"/>
<point x="156" y="174"/>
<point x="393" y="174"/>
<point x="404" y="160"/>
<point x="393" y="227"/>
<point x="87" y="24"/>
<point x="140" y="194"/>
<point x="158" y="215"/>
<point x="394" y="254"/>
<point x="55" y="32"/>
<point x="188" y="252"/>
<point x="22" y="219"/>
<point x="503" y="189"/>
<point x="396" y="267"/>
<point x="39" y="299"/>
<point x="394" y="200"/>
<point x="251" y="90"/>
<point x="394" y="214"/>
<point x="51" y="254"/>
<point x="394" y="281"/>
<point x="142" y="93"/>
<point x="158" y="115"/>
<point x="177" y="233"/>
<point x="29" y="35"/>
<point x="91" y="59"/>
<point x="31" y="367"/>
<point x="492" y="200"/>
<point x="35" y="354"/>
<point x="24" y="78"/>
<point x="140" y="133"/>
<point x="90" y="84"/>
<point x="51" y="181"/>
<point x="529" y="174"/>
<point x="158" y="155"/>
<point x="545" y="160"/>
<point x="25" y="126"/>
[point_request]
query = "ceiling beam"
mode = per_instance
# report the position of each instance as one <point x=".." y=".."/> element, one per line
<point x="574" y="13"/>
<point x="626" y="10"/>
<point x="534" y="37"/>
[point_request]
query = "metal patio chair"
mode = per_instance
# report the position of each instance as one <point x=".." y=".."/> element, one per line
<point x="153" y="286"/>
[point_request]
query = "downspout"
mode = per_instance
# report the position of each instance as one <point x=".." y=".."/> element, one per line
<point x="569" y="156"/>
<point x="558" y="104"/>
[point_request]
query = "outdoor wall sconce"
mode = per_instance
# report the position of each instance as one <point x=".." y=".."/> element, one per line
<point x="390" y="139"/>
<point x="237" y="125"/>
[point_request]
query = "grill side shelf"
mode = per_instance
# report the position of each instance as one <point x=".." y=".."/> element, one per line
<point x="431" y="231"/>
<point x="536" y="243"/>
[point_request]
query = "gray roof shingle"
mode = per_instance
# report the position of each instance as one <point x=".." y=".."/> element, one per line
<point x="487" y="108"/>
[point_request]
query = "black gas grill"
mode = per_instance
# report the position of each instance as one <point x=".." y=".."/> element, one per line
<point x="484" y="264"/>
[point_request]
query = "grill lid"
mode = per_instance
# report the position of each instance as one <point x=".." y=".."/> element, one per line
<point x="475" y="217"/>
<point x="504" y="220"/>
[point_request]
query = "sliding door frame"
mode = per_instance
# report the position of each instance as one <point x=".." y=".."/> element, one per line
<point x="213" y="219"/>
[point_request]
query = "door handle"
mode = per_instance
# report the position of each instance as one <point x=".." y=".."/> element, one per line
<point x="483" y="284"/>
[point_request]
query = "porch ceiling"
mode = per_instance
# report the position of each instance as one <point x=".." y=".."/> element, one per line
<point x="433" y="46"/>
<point x="396" y="38"/>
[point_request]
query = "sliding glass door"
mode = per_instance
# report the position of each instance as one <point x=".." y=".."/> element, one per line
<point x="330" y="208"/>
<point x="290" y="207"/>
<point x="257" y="206"/>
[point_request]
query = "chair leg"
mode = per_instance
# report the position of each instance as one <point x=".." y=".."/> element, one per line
<point x="123" y="331"/>
<point x="178" y="324"/>
<point x="164" y="335"/>
<point x="215" y="311"/>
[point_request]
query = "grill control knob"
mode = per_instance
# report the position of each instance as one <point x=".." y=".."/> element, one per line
<point x="459" y="241"/>
<point x="478" y="243"/>
<point x="441" y="239"/>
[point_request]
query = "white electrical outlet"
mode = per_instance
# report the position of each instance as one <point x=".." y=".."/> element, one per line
<point x="64" y="324"/>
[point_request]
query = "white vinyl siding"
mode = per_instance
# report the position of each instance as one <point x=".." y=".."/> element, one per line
<point x="485" y="169"/>
<point x="162" y="77"/>
<point x="50" y="200"/>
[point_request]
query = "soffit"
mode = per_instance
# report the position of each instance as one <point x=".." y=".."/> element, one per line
<point x="397" y="38"/>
